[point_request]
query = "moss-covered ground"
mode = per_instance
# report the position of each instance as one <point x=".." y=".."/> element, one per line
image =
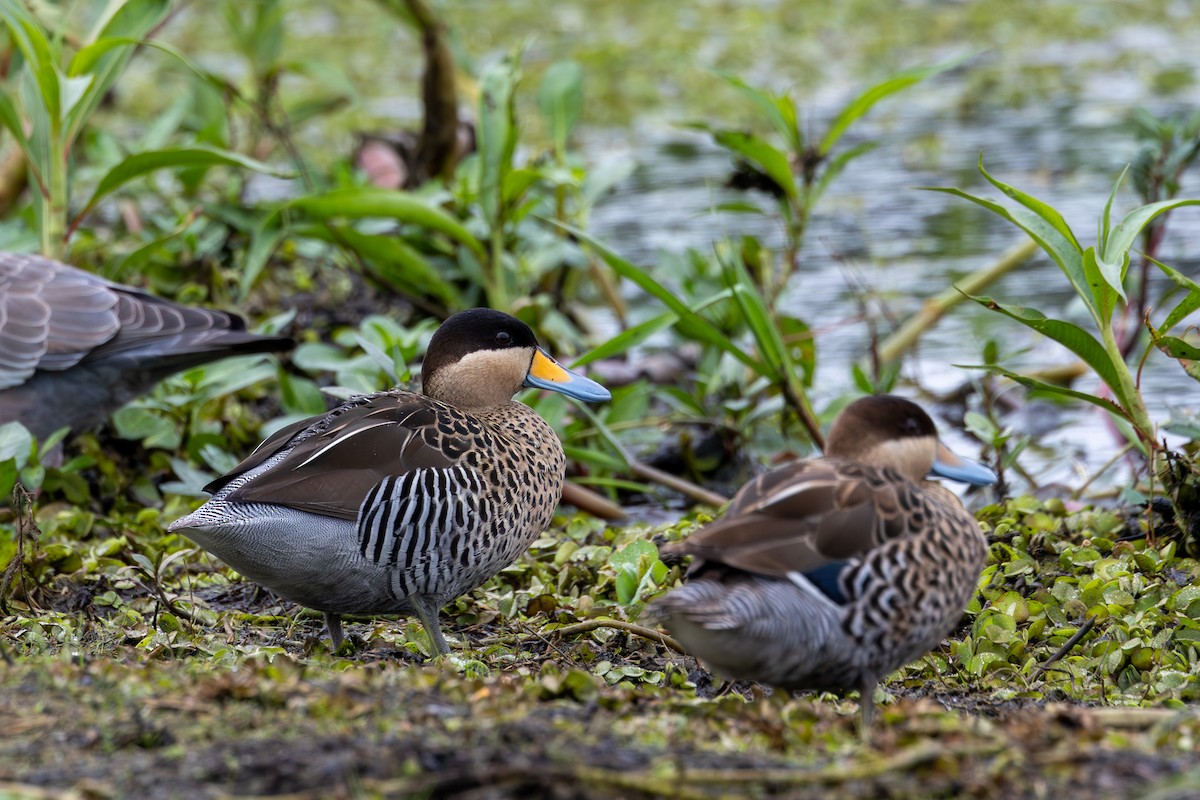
<point x="136" y="667"/>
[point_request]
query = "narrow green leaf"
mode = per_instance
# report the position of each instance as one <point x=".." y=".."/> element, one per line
<point x="495" y="132"/>
<point x="1043" y="210"/>
<point x="265" y="237"/>
<point x="11" y="119"/>
<point x="1188" y="304"/>
<point x="1106" y="217"/>
<point x="27" y="34"/>
<point x="560" y="99"/>
<point x="102" y="63"/>
<point x="8" y="477"/>
<point x="369" y="201"/>
<point x="1107" y="280"/>
<point x="864" y="102"/>
<point x="758" y="318"/>
<point x="1051" y="388"/>
<point x="139" y="164"/>
<point x="761" y="154"/>
<point x="779" y="110"/>
<point x="1177" y="348"/>
<point x="1070" y="336"/>
<point x="396" y="263"/>
<point x="690" y="323"/>
<point x="637" y="334"/>
<point x="1061" y="249"/>
<point x="1126" y="232"/>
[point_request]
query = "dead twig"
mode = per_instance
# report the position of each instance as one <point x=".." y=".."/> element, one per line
<point x="697" y="493"/>
<point x="1066" y="648"/>
<point x="592" y="503"/>
<point x="627" y="627"/>
<point x="22" y="505"/>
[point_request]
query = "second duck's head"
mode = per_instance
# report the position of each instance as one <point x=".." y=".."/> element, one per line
<point x="889" y="431"/>
<point x="480" y="358"/>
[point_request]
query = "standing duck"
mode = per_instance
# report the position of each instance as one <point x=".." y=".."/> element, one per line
<point x="75" y="347"/>
<point x="398" y="502"/>
<point x="828" y="574"/>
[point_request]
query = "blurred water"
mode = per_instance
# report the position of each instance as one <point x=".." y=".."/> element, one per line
<point x="876" y="229"/>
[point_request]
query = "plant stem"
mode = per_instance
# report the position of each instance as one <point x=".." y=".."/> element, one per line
<point x="1127" y="392"/>
<point x="54" y="201"/>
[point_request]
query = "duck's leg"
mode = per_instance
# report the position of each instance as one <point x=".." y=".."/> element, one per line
<point x="866" y="706"/>
<point x="333" y="622"/>
<point x="427" y="612"/>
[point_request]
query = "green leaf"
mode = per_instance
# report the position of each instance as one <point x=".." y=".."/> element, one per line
<point x="1051" y="388"/>
<point x="16" y="444"/>
<point x="8" y="477"/>
<point x="393" y="261"/>
<point x="1124" y="235"/>
<point x="496" y="132"/>
<point x="1106" y="217"/>
<point x="1064" y="250"/>
<point x="761" y="154"/>
<point x="560" y="99"/>
<point x="1187" y="305"/>
<point x="265" y="237"/>
<point x="41" y="62"/>
<point x="1043" y="210"/>
<point x="1071" y="336"/>
<point x="1108" y="281"/>
<point x="11" y="119"/>
<point x="758" y="319"/>
<point x="103" y="60"/>
<point x="690" y="323"/>
<point x="1177" y="348"/>
<point x="864" y="102"/>
<point x="139" y="164"/>
<point x="369" y="201"/>
<point x="631" y="337"/>
<point x="779" y="110"/>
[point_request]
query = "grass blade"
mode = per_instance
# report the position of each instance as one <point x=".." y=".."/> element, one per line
<point x="365" y="202"/>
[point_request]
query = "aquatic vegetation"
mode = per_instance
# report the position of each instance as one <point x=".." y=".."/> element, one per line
<point x="152" y="668"/>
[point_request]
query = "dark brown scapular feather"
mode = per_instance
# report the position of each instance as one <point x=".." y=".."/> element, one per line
<point x="331" y="468"/>
<point x="797" y="520"/>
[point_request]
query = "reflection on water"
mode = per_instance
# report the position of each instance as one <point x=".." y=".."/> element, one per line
<point x="875" y="228"/>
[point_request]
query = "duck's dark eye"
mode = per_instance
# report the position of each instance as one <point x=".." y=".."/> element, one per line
<point x="504" y="338"/>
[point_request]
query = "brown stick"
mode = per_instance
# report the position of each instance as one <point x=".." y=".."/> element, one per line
<point x="1066" y="648"/>
<point x="628" y="627"/>
<point x="592" y="503"/>
<point x="936" y="307"/>
<point x="697" y="493"/>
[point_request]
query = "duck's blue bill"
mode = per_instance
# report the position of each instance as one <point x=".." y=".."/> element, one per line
<point x="956" y="468"/>
<point x="546" y="373"/>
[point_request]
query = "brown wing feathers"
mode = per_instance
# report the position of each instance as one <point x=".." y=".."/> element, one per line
<point x="796" y="520"/>
<point x="330" y="470"/>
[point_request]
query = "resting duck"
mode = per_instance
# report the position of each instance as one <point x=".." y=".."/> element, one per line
<point x="75" y="347"/>
<point x="828" y="574"/>
<point x="398" y="502"/>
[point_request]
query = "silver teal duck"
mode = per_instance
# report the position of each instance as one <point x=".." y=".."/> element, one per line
<point x="399" y="502"/>
<point x="828" y="574"/>
<point x="75" y="347"/>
